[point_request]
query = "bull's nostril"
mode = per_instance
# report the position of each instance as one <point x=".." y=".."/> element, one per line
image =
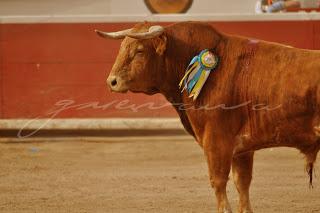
<point x="113" y="82"/>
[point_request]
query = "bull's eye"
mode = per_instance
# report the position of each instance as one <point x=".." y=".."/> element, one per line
<point x="139" y="53"/>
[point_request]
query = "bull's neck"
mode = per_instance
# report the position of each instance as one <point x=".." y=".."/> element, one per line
<point x="177" y="57"/>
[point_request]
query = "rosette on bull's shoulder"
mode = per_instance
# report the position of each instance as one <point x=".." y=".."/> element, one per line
<point x="198" y="72"/>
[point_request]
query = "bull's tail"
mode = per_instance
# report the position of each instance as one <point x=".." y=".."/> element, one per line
<point x="311" y="157"/>
<point x="309" y="169"/>
<point x="311" y="154"/>
<point x="310" y="161"/>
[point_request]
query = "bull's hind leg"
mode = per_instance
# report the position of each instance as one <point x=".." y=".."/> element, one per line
<point x="242" y="175"/>
<point x="219" y="157"/>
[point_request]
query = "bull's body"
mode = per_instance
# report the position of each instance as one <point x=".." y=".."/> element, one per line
<point x="261" y="95"/>
<point x="264" y="94"/>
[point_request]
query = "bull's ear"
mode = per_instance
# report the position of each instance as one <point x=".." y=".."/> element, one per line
<point x="160" y="44"/>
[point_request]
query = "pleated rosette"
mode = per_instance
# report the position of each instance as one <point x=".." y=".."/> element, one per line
<point x="198" y="72"/>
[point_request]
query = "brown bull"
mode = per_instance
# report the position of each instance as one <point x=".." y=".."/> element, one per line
<point x="261" y="95"/>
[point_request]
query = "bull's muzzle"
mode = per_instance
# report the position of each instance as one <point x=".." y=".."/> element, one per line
<point x="116" y="84"/>
<point x="112" y="82"/>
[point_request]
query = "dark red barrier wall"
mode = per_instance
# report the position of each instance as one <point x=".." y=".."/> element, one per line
<point x="44" y="64"/>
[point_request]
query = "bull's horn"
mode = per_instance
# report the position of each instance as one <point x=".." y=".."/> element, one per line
<point x="153" y="32"/>
<point x="114" y="35"/>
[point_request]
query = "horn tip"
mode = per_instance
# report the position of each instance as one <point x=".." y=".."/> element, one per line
<point x="99" y="33"/>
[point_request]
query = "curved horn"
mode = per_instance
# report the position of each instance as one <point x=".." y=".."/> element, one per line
<point x="114" y="35"/>
<point x="153" y="32"/>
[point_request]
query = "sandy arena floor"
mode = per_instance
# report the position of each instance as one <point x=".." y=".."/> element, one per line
<point x="141" y="175"/>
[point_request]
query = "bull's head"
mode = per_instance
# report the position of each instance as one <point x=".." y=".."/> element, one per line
<point x="139" y="57"/>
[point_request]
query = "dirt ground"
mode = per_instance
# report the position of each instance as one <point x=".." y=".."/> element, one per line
<point x="141" y="175"/>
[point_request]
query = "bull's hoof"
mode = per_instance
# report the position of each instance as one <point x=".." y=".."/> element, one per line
<point x="226" y="211"/>
<point x="245" y="210"/>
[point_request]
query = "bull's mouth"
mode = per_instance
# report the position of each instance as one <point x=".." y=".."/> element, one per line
<point x="119" y="90"/>
<point x="150" y="91"/>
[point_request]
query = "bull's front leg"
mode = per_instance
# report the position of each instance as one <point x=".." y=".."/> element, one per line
<point x="218" y="151"/>
<point x="242" y="175"/>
